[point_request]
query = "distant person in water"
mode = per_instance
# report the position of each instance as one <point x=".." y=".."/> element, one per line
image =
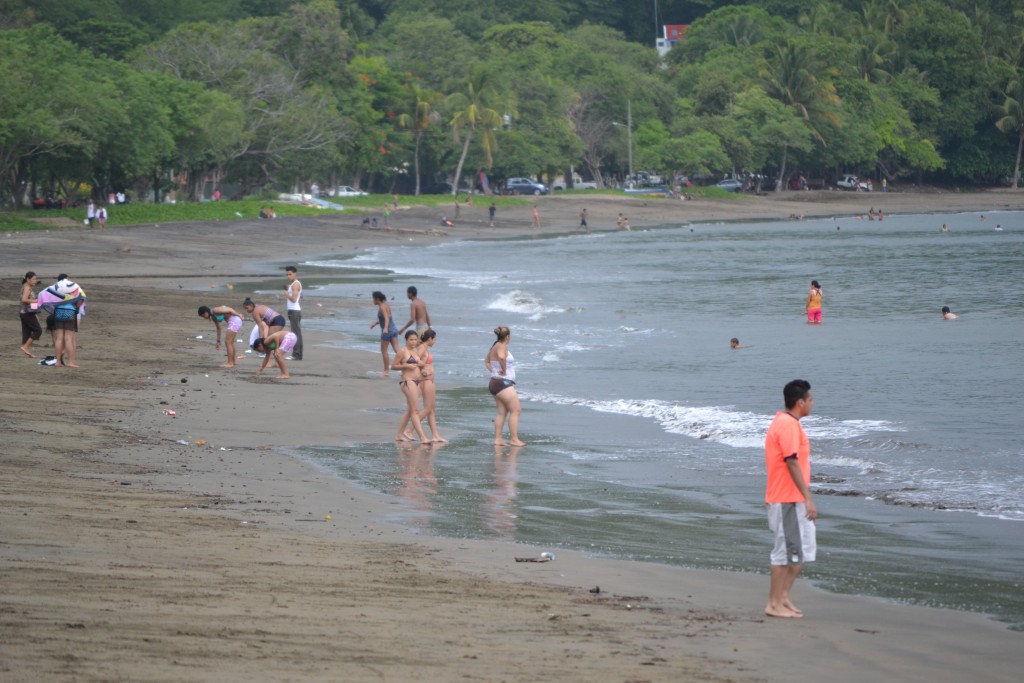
<point x="814" y="304"/>
<point x="734" y="343"/>
<point x="948" y="314"/>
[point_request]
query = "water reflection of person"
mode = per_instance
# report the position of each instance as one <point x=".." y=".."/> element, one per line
<point x="499" y="506"/>
<point x="417" y="482"/>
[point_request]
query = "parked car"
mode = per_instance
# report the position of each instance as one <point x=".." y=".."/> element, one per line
<point x="645" y="179"/>
<point x="345" y="191"/>
<point x="730" y="185"/>
<point x="851" y="183"/>
<point x="576" y="185"/>
<point x="525" y="186"/>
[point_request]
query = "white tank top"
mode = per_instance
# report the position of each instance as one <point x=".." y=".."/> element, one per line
<point x="510" y="368"/>
<point x="294" y="305"/>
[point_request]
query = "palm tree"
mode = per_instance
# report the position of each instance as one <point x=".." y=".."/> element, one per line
<point x="1011" y="113"/>
<point x="473" y="114"/>
<point x="793" y="79"/>
<point x="422" y="119"/>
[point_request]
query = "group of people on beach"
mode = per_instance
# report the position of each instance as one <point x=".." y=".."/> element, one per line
<point x="272" y="340"/>
<point x="65" y="304"/>
<point x="415" y="362"/>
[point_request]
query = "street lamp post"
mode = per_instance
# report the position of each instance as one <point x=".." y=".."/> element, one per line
<point x="629" y="135"/>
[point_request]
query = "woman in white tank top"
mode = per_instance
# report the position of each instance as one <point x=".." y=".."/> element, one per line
<point x="502" y="366"/>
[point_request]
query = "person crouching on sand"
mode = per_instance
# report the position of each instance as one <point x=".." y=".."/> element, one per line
<point x="275" y="346"/>
<point x="234" y="321"/>
<point x="409" y="364"/>
<point x="502" y="366"/>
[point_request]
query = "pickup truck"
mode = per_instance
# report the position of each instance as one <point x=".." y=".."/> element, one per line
<point x="850" y="182"/>
<point x="576" y="185"/>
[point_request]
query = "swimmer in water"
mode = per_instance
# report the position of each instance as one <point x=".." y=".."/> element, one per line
<point x="948" y="314"/>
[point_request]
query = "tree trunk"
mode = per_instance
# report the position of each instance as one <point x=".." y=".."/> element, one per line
<point x="416" y="161"/>
<point x="782" y="170"/>
<point x="1016" y="169"/>
<point x="462" y="160"/>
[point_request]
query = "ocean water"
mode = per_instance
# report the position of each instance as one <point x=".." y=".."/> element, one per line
<point x="645" y="430"/>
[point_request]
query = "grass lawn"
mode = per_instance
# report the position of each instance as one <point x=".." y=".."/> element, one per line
<point x="246" y="209"/>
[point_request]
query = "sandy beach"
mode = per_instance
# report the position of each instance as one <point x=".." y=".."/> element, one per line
<point x="140" y="546"/>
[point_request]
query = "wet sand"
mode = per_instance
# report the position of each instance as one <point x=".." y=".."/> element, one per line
<point x="128" y="555"/>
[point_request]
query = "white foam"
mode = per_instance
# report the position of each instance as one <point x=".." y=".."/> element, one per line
<point x="738" y="429"/>
<point x="523" y="303"/>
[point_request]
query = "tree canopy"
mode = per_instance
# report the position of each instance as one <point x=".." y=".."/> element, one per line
<point x="390" y="95"/>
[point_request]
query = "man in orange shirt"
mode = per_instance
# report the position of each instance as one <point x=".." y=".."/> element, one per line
<point x="791" y="512"/>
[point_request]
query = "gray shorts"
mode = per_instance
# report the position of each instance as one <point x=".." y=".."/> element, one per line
<point x="794" y="534"/>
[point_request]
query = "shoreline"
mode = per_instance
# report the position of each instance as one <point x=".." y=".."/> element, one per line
<point x="129" y="555"/>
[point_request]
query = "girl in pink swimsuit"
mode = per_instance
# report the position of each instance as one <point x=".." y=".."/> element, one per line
<point x="275" y="345"/>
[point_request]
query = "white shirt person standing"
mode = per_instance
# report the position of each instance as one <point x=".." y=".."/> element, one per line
<point x="293" y="292"/>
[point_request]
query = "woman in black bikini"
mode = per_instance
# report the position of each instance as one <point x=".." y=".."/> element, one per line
<point x="409" y="364"/>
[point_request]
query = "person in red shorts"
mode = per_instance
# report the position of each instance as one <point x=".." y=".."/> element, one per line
<point x="791" y="512"/>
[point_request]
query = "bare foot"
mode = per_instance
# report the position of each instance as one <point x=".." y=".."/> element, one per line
<point x="517" y="442"/>
<point x="782" y="612"/>
<point x="227" y="365"/>
<point x="283" y="376"/>
<point x="409" y="436"/>
<point x="71" y="365"/>
<point x="402" y="437"/>
<point x="27" y="352"/>
<point x="439" y="439"/>
<point x="789" y="605"/>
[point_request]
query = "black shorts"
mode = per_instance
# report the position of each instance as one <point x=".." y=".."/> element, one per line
<point x="497" y="385"/>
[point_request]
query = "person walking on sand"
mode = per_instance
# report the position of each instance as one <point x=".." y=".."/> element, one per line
<point x="276" y="346"/>
<point x="90" y="212"/>
<point x="387" y="216"/>
<point x="101" y="216"/>
<point x="583" y="220"/>
<point x="491" y="210"/>
<point x="29" y="313"/>
<point x="536" y="217"/>
<point x="791" y="511"/>
<point x="502" y="366"/>
<point x="388" y="329"/>
<point x="428" y="390"/>
<point x="813" y="306"/>
<point x="418" y="314"/>
<point x="293" y="292"/>
<point x="266" y="318"/>
<point x="234" y="319"/>
<point x="409" y="364"/>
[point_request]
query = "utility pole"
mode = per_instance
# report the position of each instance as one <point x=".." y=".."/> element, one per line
<point x="629" y="135"/>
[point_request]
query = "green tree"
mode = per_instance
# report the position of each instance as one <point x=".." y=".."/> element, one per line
<point x="421" y="118"/>
<point x="474" y="113"/>
<point x="1011" y="120"/>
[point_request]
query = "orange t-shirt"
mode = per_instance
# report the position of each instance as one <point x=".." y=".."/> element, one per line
<point x="785" y="437"/>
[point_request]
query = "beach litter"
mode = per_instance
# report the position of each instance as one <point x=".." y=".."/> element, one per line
<point x="544" y="557"/>
<point x="170" y="413"/>
<point x="181" y="442"/>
